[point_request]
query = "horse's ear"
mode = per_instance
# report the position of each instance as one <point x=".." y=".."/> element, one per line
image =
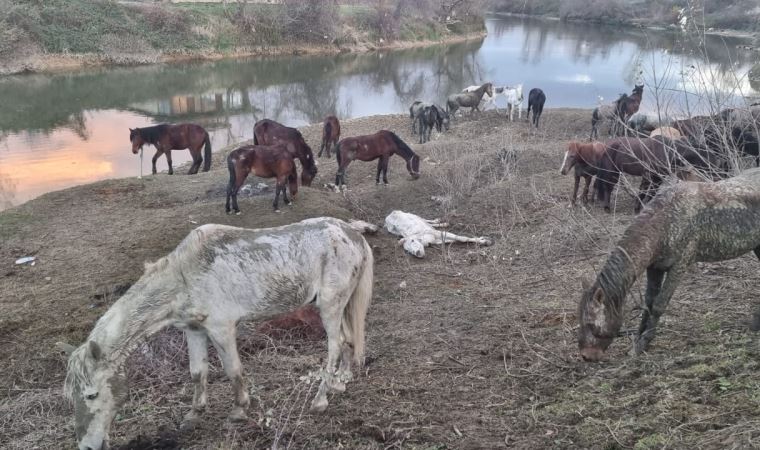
<point x="131" y="130"/>
<point x="598" y="296"/>
<point x="95" y="352"/>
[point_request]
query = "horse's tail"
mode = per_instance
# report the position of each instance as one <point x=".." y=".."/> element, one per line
<point x="355" y="313"/>
<point x="406" y="151"/>
<point x="255" y="141"/>
<point x="326" y="135"/>
<point x="207" y="153"/>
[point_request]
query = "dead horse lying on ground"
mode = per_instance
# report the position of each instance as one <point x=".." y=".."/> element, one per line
<point x="217" y="276"/>
<point x="685" y="223"/>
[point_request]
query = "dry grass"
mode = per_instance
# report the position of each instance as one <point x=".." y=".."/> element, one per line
<point x="478" y="351"/>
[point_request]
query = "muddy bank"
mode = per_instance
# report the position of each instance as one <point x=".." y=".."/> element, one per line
<point x="478" y="350"/>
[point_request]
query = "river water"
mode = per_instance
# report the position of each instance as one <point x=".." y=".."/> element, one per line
<point x="61" y="130"/>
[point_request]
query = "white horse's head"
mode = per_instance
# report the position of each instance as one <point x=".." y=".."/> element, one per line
<point x="414" y="246"/>
<point x="97" y="390"/>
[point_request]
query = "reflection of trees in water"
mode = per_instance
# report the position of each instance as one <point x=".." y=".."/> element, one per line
<point x="592" y="41"/>
<point x="7" y="191"/>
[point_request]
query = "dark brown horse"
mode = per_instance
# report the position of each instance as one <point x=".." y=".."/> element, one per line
<point x="330" y="135"/>
<point x="684" y="224"/>
<point x="468" y="99"/>
<point x="585" y="157"/>
<point x="167" y="137"/>
<point x="269" y="132"/>
<point x="628" y="105"/>
<point x="649" y="158"/>
<point x="381" y="145"/>
<point x="265" y="161"/>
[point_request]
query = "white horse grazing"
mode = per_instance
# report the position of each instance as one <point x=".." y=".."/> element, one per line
<point x="214" y="278"/>
<point x="514" y="97"/>
<point x="417" y="233"/>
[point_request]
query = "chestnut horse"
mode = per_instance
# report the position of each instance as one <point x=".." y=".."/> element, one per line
<point x="167" y="137"/>
<point x="585" y="157"/>
<point x="330" y="135"/>
<point x="265" y="161"/>
<point x="269" y="132"/>
<point x="382" y="145"/>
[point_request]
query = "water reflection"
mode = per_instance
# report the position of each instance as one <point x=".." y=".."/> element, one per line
<point x="65" y="129"/>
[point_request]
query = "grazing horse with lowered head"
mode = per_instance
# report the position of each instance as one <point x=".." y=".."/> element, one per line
<point x="514" y="96"/>
<point x="428" y="118"/>
<point x="468" y="99"/>
<point x="381" y="146"/>
<point x="417" y="233"/>
<point x="585" y="158"/>
<point x="536" y="100"/>
<point x="217" y="276"/>
<point x="265" y="161"/>
<point x="167" y="137"/>
<point x="665" y="240"/>
<point x="444" y="120"/>
<point x="268" y="132"/>
<point x="330" y="135"/>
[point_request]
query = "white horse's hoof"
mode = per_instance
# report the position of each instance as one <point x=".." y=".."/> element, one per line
<point x="318" y="406"/>
<point x="238" y="415"/>
<point x="190" y="421"/>
<point x="237" y="213"/>
<point x="277" y="211"/>
<point x="337" y="386"/>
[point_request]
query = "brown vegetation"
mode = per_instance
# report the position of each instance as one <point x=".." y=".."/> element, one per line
<point x="477" y="349"/>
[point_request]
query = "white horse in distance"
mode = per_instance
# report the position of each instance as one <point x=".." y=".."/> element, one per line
<point x="215" y="277"/>
<point x="512" y="94"/>
<point x="417" y="233"/>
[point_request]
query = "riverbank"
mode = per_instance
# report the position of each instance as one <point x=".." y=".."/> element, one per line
<point x="735" y="18"/>
<point x="476" y="349"/>
<point x="64" y="35"/>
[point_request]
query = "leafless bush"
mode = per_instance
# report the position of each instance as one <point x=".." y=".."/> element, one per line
<point x="165" y="19"/>
<point x="310" y="19"/>
<point x="594" y="10"/>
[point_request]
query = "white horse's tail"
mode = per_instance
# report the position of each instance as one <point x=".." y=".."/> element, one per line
<point x="355" y="314"/>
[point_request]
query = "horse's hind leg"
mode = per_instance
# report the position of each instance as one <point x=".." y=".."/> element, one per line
<point x="223" y="339"/>
<point x="197" y="350"/>
<point x="331" y="312"/>
<point x="197" y="160"/>
<point x="384" y="160"/>
<point x="380" y="164"/>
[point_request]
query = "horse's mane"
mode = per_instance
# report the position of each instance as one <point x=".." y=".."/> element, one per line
<point x="403" y="150"/>
<point x="76" y="373"/>
<point x="152" y="134"/>
<point x="613" y="279"/>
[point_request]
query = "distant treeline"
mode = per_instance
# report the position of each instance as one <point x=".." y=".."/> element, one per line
<point x="741" y="15"/>
<point x="136" y="31"/>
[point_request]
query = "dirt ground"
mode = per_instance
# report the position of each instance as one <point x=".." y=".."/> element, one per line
<point x="478" y="350"/>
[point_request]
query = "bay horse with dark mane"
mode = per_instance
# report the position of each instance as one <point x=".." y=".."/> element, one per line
<point x="165" y="138"/>
<point x="628" y="105"/>
<point x="652" y="159"/>
<point x="265" y="161"/>
<point x="330" y="135"/>
<point x="685" y="223"/>
<point x="269" y="132"/>
<point x="381" y="145"/>
<point x="585" y="157"/>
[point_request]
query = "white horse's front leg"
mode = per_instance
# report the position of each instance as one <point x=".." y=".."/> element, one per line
<point x="446" y="238"/>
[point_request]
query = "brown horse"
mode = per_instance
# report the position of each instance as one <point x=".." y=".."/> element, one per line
<point x="468" y="99"/>
<point x="167" y="137"/>
<point x="628" y="105"/>
<point x="265" y="161"/>
<point x="684" y="224"/>
<point x="330" y="135"/>
<point x="269" y="132"/>
<point x="585" y="157"/>
<point x="382" y="145"/>
<point x="648" y="158"/>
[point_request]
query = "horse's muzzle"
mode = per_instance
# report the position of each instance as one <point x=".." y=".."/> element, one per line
<point x="592" y="354"/>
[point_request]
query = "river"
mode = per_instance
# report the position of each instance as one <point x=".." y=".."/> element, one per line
<point x="61" y="130"/>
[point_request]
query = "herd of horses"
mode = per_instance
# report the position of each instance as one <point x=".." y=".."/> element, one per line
<point x="700" y="147"/>
<point x="219" y="274"/>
